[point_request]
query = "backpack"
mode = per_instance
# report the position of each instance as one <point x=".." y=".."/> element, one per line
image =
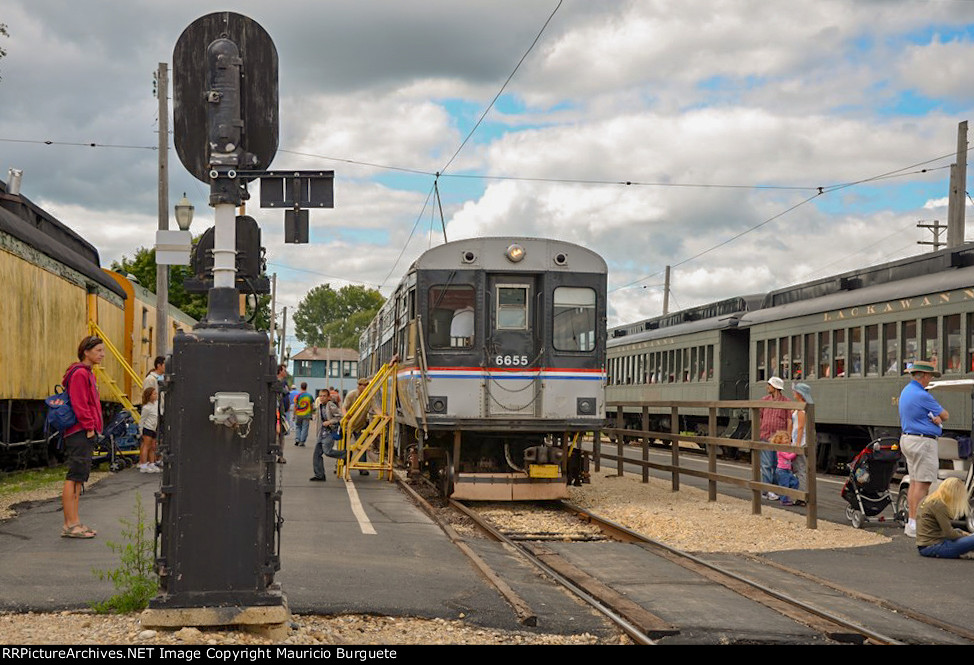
<point x="60" y="415"/>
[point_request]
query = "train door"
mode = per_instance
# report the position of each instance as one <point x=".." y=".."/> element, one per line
<point x="513" y="346"/>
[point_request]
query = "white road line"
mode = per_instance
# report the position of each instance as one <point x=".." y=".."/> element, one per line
<point x="363" y="520"/>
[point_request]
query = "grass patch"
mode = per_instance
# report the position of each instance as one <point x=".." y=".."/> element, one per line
<point x="31" y="480"/>
<point x="135" y="579"/>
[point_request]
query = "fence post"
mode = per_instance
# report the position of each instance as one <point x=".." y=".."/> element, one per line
<point x="620" y="442"/>
<point x="675" y="446"/>
<point x="811" y="462"/>
<point x="597" y="449"/>
<point x="755" y="461"/>
<point x="645" y="426"/>
<point x="712" y="454"/>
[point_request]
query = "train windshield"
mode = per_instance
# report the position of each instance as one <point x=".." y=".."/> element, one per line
<point x="451" y="317"/>
<point x="574" y="319"/>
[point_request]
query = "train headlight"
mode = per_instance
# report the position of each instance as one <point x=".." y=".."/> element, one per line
<point x="515" y="253"/>
<point x="585" y="406"/>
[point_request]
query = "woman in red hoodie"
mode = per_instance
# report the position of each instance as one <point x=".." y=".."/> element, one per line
<point x="82" y="388"/>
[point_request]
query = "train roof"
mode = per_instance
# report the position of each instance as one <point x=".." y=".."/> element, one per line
<point x="37" y="228"/>
<point x="712" y="316"/>
<point x="917" y="275"/>
<point x="490" y="254"/>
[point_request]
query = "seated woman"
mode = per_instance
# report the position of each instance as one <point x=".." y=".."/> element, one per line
<point x="936" y="536"/>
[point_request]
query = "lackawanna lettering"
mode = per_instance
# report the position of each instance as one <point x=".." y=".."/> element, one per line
<point x="902" y="305"/>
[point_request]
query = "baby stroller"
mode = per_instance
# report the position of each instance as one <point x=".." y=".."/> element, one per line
<point x="118" y="444"/>
<point x="870" y="473"/>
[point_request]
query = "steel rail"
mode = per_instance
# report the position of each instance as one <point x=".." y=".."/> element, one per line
<point x="811" y="609"/>
<point x="637" y="635"/>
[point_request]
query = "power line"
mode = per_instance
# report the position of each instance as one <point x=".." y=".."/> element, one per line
<point x="499" y="92"/>
<point x="403" y="250"/>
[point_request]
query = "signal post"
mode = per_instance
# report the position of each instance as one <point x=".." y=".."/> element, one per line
<point x="218" y="512"/>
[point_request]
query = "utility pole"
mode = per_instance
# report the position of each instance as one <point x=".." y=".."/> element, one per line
<point x="162" y="270"/>
<point x="958" y="191"/>
<point x="666" y="292"/>
<point x="937" y="229"/>
<point x="273" y="335"/>
<point x="283" y="336"/>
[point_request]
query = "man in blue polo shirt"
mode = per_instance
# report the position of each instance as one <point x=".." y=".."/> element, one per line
<point x="921" y="422"/>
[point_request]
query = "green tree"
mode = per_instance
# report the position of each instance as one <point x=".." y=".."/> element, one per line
<point x="339" y="315"/>
<point x="143" y="267"/>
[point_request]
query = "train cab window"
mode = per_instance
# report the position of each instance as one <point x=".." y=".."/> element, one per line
<point x="892" y="344"/>
<point x="909" y="337"/>
<point x="872" y="350"/>
<point x="824" y="355"/>
<point x="512" y="307"/>
<point x="952" y="344"/>
<point x="759" y="359"/>
<point x="928" y="341"/>
<point x="855" y="352"/>
<point x="573" y="318"/>
<point x="452" y="318"/>
<point x="810" y="355"/>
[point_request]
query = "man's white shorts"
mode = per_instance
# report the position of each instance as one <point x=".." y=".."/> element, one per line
<point x="922" y="462"/>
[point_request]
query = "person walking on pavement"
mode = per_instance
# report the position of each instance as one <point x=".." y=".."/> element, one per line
<point x="283" y="404"/>
<point x="772" y="420"/>
<point x="331" y="418"/>
<point x="303" y="412"/>
<point x="921" y="423"/>
<point x="79" y="440"/>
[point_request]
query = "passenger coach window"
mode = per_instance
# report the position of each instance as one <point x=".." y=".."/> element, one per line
<point x="824" y="356"/>
<point x="855" y="352"/>
<point x="970" y="342"/>
<point x="952" y="343"/>
<point x="931" y="350"/>
<point x="810" y="354"/>
<point x="759" y="359"/>
<point x="909" y="343"/>
<point x="872" y="350"/>
<point x="573" y="320"/>
<point x="892" y="343"/>
<point x="451" y="317"/>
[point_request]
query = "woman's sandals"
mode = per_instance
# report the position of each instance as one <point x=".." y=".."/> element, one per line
<point x="78" y="531"/>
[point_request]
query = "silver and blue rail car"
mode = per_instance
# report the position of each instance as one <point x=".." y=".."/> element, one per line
<point x="502" y="349"/>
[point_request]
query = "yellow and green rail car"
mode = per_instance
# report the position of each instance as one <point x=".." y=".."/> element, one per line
<point x="53" y="286"/>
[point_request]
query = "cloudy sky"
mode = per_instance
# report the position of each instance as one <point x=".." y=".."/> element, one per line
<point x="724" y="114"/>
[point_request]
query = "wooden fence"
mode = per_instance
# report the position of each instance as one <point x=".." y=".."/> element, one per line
<point x="711" y="442"/>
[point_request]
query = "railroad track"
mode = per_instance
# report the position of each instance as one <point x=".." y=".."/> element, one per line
<point x="643" y="626"/>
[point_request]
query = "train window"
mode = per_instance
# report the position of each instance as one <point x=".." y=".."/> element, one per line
<point x="573" y="319"/>
<point x="796" y="357"/>
<point x="838" y="338"/>
<point x="645" y="358"/>
<point x="892" y="345"/>
<point x="810" y="355"/>
<point x="451" y="317"/>
<point x="694" y="365"/>
<point x="970" y="342"/>
<point x="855" y="352"/>
<point x="773" y="358"/>
<point x="928" y="342"/>
<point x="952" y="344"/>
<point x="909" y="337"/>
<point x="710" y="362"/>
<point x="824" y="355"/>
<point x="512" y="307"/>
<point x="759" y="359"/>
<point x="872" y="350"/>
